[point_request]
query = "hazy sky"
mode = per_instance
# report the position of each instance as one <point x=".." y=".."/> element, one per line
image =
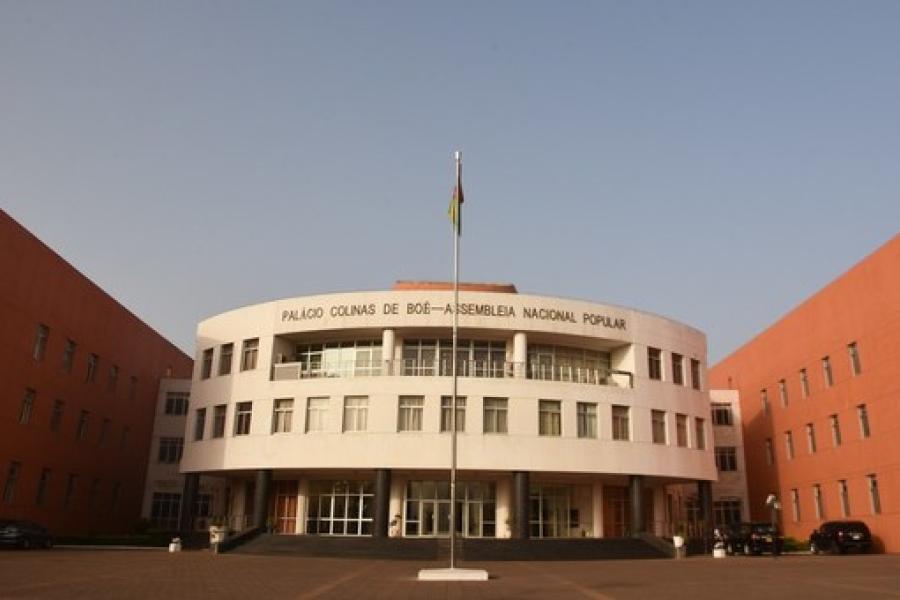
<point x="714" y="162"/>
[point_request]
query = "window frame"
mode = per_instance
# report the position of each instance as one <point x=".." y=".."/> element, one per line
<point x="495" y="415"/>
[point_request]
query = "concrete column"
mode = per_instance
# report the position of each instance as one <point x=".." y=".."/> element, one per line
<point x="704" y="497"/>
<point x="387" y="350"/>
<point x="382" y="517"/>
<point x="659" y="511"/>
<point x="261" y="498"/>
<point x="598" y="510"/>
<point x="395" y="509"/>
<point x="521" y="493"/>
<point x="636" y="492"/>
<point x="302" y="505"/>
<point x="520" y="354"/>
<point x="188" y="498"/>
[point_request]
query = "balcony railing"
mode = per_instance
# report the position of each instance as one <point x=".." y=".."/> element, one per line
<point x="467" y="368"/>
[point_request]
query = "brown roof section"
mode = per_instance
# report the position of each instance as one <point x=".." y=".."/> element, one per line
<point x="497" y="288"/>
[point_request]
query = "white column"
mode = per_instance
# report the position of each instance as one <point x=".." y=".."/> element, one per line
<point x="395" y="505"/>
<point x="598" y="510"/>
<point x="504" y="506"/>
<point x="302" y="505"/>
<point x="520" y="354"/>
<point x="387" y="347"/>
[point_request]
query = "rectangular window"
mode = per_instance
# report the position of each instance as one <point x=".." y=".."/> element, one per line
<point x="27" y="406"/>
<point x="827" y="376"/>
<point x="863" y="415"/>
<point x="409" y="413"/>
<point x="782" y="392"/>
<point x="243" y="412"/>
<point x="621" y="423"/>
<point x="316" y="413"/>
<point x="658" y="426"/>
<point x="726" y="458"/>
<point x="113" y="379"/>
<point x="177" y="403"/>
<point x="811" y="438"/>
<point x="12" y="478"/>
<point x="695" y="374"/>
<point x="199" y="424"/>
<point x="722" y="415"/>
<point x="700" y="434"/>
<point x="93" y="362"/>
<point x="853" y="352"/>
<point x="104" y="433"/>
<point x="818" y="501"/>
<point x="206" y="364"/>
<point x="282" y="415"/>
<point x="219" y="420"/>
<point x="654" y="363"/>
<point x="40" y="342"/>
<point x="770" y="452"/>
<point x="226" y="356"/>
<point x="677" y="369"/>
<point x="874" y="495"/>
<point x="57" y="415"/>
<point x="764" y="400"/>
<point x="446" y="408"/>
<point x="68" y="356"/>
<point x="727" y="511"/>
<point x="495" y="415"/>
<point x="795" y="504"/>
<point x="70" y="490"/>
<point x="170" y="449"/>
<point x="835" y="430"/>
<point x="43" y="482"/>
<point x="249" y="354"/>
<point x="681" y="431"/>
<point x="844" y="495"/>
<point x="804" y="384"/>
<point x="164" y="510"/>
<point x="82" y="427"/>
<point x="356" y="413"/>
<point x="587" y="419"/>
<point x="789" y="445"/>
<point x="549" y="417"/>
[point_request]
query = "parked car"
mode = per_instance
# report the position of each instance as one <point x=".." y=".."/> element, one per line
<point x="752" y="538"/>
<point x="24" y="534"/>
<point x="840" y="536"/>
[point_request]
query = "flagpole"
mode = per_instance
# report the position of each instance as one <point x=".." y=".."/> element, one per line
<point x="456" y="227"/>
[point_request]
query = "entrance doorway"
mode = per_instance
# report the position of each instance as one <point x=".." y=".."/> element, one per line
<point x="428" y="509"/>
<point x="285" y="507"/>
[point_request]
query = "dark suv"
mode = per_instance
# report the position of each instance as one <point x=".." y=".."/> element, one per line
<point x="840" y="536"/>
<point x="752" y="538"/>
<point x="23" y="534"/>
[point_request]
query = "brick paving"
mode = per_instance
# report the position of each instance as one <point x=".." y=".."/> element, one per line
<point x="133" y="575"/>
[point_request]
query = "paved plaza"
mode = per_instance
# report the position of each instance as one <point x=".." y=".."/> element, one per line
<point x="135" y="574"/>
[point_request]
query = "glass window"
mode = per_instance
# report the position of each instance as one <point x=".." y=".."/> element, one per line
<point x="340" y="508"/>
<point x="804" y="383"/>
<point x="70" y="490"/>
<point x="113" y="379"/>
<point x="92" y="362"/>
<point x="206" y="364"/>
<point x="770" y="452"/>
<point x="844" y="495"/>
<point x="654" y="363"/>
<point x="495" y="415"/>
<point x="677" y="369"/>
<point x="853" y="352"/>
<point x="81" y="429"/>
<point x="249" y="354"/>
<point x="727" y="511"/>
<point x="226" y="356"/>
<point x="27" y="406"/>
<point x="795" y="504"/>
<point x="782" y="392"/>
<point x="587" y="419"/>
<point x="177" y="403"/>
<point x="764" y="399"/>
<point x="243" y="412"/>
<point x="339" y="359"/>
<point x="818" y="501"/>
<point x="283" y="413"/>
<point x="726" y="458"/>
<point x="621" y="426"/>
<point x="549" y="417"/>
<point x="219" y="420"/>
<point x="356" y="413"/>
<point x="316" y="412"/>
<point x="789" y="445"/>
<point x="658" y="423"/>
<point x="199" y="423"/>
<point x="700" y="434"/>
<point x="835" y="430"/>
<point x="12" y="478"/>
<point x="43" y="482"/>
<point x="164" y="510"/>
<point x="874" y="495"/>
<point x="564" y="363"/>
<point x="170" y="449"/>
<point x="863" y="415"/>
<point x="68" y="356"/>
<point x="826" y="372"/>
<point x="40" y="342"/>
<point x="409" y="414"/>
<point x="681" y="432"/>
<point x="695" y="374"/>
<point x="722" y="415"/>
<point x="811" y="438"/>
<point x="446" y="408"/>
<point x="57" y="415"/>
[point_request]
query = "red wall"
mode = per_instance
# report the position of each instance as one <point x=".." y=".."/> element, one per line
<point x="38" y="286"/>
<point x="861" y="306"/>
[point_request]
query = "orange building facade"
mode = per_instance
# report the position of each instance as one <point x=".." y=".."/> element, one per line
<point x="78" y="382"/>
<point x="820" y="400"/>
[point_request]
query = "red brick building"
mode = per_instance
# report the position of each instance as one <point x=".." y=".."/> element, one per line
<point x="78" y="383"/>
<point x="820" y="400"/>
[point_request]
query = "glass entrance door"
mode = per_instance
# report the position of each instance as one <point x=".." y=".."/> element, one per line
<point x="428" y="509"/>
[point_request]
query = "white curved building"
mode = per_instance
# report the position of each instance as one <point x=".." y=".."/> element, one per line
<point x="330" y="414"/>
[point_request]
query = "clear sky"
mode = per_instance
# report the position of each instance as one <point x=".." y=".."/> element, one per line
<point x="715" y="162"/>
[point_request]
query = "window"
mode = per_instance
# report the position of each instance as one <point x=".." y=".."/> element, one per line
<point x="654" y="363"/>
<point x="549" y="417"/>
<point x="764" y="400"/>
<point x="177" y="403"/>
<point x="40" y="342"/>
<point x="342" y="508"/>
<point x="219" y="420"/>
<point x="835" y="430"/>
<point x="356" y="413"/>
<point x="243" y="411"/>
<point x="283" y="414"/>
<point x="113" y="379"/>
<point x="206" y="364"/>
<point x="827" y="376"/>
<point x="562" y="363"/>
<point x="722" y="415"/>
<point x="27" y="406"/>
<point x="316" y="412"/>
<point x="70" y="490"/>
<point x="658" y="426"/>
<point x="104" y="432"/>
<point x="681" y="430"/>
<point x="863" y="415"/>
<point x="804" y="384"/>
<point x="93" y="362"/>
<point x="199" y="423"/>
<point x="81" y="429"/>
<point x="695" y="373"/>
<point x="587" y="419"/>
<point x="789" y="445"/>
<point x="68" y="356"/>
<point x="12" y="477"/>
<point x="844" y="495"/>
<point x="203" y="505"/>
<point x="817" y="500"/>
<point x="782" y="392"/>
<point x="164" y="510"/>
<point x="874" y="496"/>
<point x="446" y="407"/>
<point x="495" y="415"/>
<point x="811" y="438"/>
<point x="727" y="511"/>
<point x="43" y="482"/>
<point x="770" y="452"/>
<point x="700" y="434"/>
<point x="347" y="358"/>
<point x="226" y="355"/>
<point x="170" y="449"/>
<point x="677" y="369"/>
<point x="249" y="354"/>
<point x="853" y="352"/>
<point x="726" y="458"/>
<point x="795" y="504"/>
<point x="57" y="415"/>
<point x="409" y="413"/>
<point x="621" y="426"/>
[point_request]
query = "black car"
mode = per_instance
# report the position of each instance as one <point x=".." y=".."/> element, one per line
<point x="752" y="538"/>
<point x="840" y="536"/>
<point x="24" y="534"/>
